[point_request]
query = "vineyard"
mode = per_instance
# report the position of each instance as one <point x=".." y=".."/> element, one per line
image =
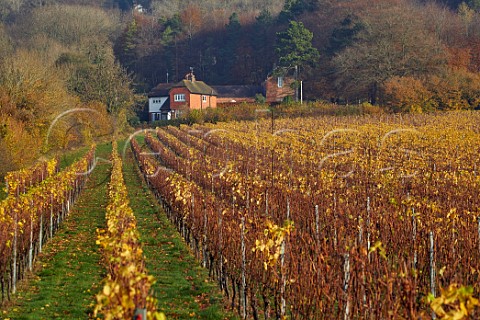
<point x="328" y="218"/>
<point x="39" y="199"/>
<point x="368" y="217"/>
<point x="126" y="291"/>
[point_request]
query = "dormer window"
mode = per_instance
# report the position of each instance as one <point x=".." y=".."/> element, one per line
<point x="280" y="82"/>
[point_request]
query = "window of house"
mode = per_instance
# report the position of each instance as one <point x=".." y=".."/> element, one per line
<point x="179" y="97"/>
<point x="157" y="116"/>
<point x="204" y="98"/>
<point x="280" y="82"/>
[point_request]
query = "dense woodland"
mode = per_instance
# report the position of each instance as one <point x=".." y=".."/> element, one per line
<point x="56" y="55"/>
<point x="411" y="55"/>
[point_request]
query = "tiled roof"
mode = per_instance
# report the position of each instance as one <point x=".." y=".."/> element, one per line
<point x="198" y="87"/>
<point x="161" y="90"/>
<point x="166" y="105"/>
<point x="241" y="91"/>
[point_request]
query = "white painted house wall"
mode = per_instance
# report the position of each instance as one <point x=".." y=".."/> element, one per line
<point x="154" y="105"/>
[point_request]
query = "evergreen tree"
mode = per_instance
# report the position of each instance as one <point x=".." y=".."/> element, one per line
<point x="228" y="52"/>
<point x="233" y="27"/>
<point x="262" y="43"/>
<point x="345" y="35"/>
<point x="264" y="18"/>
<point x="174" y="24"/>
<point x="294" y="46"/>
<point x="474" y="4"/>
<point x="171" y="49"/>
<point x="293" y="8"/>
<point x="261" y="36"/>
<point x="128" y="45"/>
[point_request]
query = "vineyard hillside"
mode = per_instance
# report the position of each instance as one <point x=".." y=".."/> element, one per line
<point x="328" y="217"/>
<point x="352" y="217"/>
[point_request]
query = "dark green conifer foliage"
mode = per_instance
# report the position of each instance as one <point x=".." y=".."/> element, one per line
<point x="294" y="46"/>
<point x="294" y="8"/>
<point x="228" y="52"/>
<point x="345" y="35"/>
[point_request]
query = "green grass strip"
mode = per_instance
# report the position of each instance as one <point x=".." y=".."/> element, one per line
<point x="70" y="157"/>
<point x="68" y="273"/>
<point x="183" y="288"/>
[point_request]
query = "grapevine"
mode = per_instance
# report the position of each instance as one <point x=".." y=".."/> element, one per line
<point x="385" y="210"/>
<point x="30" y="216"/>
<point x="19" y="181"/>
<point x="127" y="286"/>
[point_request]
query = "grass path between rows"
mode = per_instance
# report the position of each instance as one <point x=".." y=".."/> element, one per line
<point x="68" y="273"/>
<point x="183" y="288"/>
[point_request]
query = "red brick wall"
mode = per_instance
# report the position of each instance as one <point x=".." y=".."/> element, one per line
<point x="211" y="102"/>
<point x="196" y="101"/>
<point x="276" y="94"/>
<point x="192" y="100"/>
<point x="179" y="105"/>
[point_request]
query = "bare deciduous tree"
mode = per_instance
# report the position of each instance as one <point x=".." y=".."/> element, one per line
<point x="393" y="43"/>
<point x="69" y="25"/>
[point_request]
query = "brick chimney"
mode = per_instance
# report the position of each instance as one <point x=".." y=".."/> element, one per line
<point x="190" y="76"/>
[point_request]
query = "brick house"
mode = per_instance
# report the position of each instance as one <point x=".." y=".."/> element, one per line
<point x="275" y="89"/>
<point x="192" y="94"/>
<point x="278" y="88"/>
<point x="159" y="102"/>
<point x="167" y="101"/>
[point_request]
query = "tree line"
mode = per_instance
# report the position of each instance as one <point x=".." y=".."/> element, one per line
<point x="54" y="59"/>
<point x="61" y="54"/>
<point x="409" y="55"/>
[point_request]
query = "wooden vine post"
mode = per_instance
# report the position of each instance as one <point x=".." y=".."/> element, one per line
<point x="243" y="294"/>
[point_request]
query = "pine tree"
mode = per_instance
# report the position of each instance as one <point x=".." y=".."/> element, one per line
<point x="294" y="46"/>
<point x="293" y="8"/>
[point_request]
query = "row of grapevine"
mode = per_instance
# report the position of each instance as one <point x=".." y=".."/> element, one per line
<point x="28" y="220"/>
<point x="331" y="217"/>
<point x="126" y="291"/>
<point x="19" y="181"/>
<point x="207" y="222"/>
